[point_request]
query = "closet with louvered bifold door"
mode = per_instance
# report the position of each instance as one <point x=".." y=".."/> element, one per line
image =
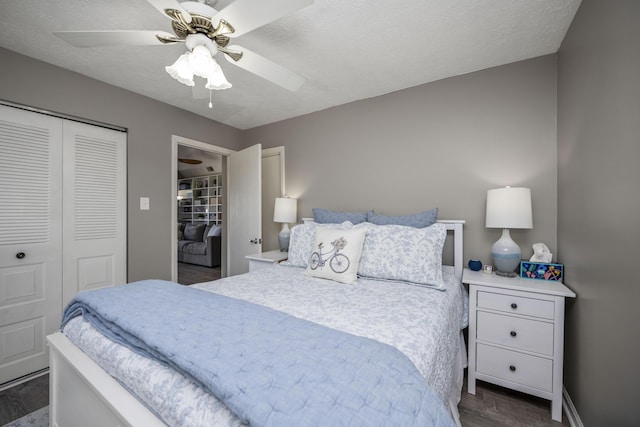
<point x="62" y="226"/>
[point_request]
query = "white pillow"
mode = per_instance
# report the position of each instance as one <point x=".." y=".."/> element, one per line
<point x="398" y="252"/>
<point x="336" y="254"/>
<point x="301" y="242"/>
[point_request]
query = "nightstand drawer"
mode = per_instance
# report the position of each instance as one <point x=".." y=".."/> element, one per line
<point x="516" y="304"/>
<point x="519" y="368"/>
<point x="516" y="332"/>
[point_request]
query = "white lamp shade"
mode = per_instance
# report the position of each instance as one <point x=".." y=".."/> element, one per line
<point x="216" y="79"/>
<point x="285" y="210"/>
<point x="509" y="207"/>
<point x="181" y="70"/>
<point x="201" y="61"/>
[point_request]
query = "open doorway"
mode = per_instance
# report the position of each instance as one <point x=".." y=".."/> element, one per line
<point x="198" y="176"/>
<point x="271" y="185"/>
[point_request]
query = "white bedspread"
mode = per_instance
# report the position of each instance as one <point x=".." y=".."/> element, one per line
<point x="424" y="323"/>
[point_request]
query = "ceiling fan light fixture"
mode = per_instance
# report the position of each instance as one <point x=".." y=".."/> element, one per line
<point x="199" y="62"/>
<point x="203" y="65"/>
<point x="181" y="70"/>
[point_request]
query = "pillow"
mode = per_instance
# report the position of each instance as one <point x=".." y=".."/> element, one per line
<point x="301" y="242"/>
<point x="397" y="252"/>
<point x="215" y="230"/>
<point x="336" y="254"/>
<point x="194" y="232"/>
<point x="180" y="232"/>
<point x="326" y="216"/>
<point x="418" y="220"/>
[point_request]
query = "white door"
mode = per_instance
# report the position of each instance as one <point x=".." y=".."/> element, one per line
<point x="244" y="208"/>
<point x="95" y="207"/>
<point x="30" y="239"/>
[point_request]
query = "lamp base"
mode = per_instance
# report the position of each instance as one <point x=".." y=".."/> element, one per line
<point x="506" y="255"/>
<point x="283" y="238"/>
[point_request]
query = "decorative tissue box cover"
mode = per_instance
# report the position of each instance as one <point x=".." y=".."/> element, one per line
<point x="541" y="270"/>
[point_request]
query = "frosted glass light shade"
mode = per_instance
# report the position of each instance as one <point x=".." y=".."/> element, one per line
<point x="181" y="70"/>
<point x="200" y="61"/>
<point x="216" y="79"/>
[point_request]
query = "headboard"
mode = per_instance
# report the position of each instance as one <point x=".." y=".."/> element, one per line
<point x="455" y="227"/>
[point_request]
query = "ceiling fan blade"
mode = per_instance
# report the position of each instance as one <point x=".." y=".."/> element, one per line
<point x="114" y="38"/>
<point x="163" y="5"/>
<point x="266" y="69"/>
<point x="247" y="15"/>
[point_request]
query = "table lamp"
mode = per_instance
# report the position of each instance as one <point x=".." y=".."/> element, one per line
<point x="508" y="207"/>
<point x="284" y="211"/>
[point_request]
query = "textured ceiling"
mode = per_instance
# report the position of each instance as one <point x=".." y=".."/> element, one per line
<point x="208" y="159"/>
<point x="348" y="50"/>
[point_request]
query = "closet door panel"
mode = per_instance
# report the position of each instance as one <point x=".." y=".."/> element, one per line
<point x="30" y="239"/>
<point x="95" y="179"/>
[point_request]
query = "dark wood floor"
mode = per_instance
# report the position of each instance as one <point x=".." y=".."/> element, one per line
<point x="492" y="406"/>
<point x="189" y="274"/>
<point x="23" y="399"/>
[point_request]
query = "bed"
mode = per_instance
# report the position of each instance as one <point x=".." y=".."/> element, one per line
<point x="96" y="381"/>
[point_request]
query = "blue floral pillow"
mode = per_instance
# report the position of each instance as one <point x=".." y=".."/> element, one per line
<point x="418" y="220"/>
<point x="300" y="244"/>
<point x="326" y="216"/>
<point x="397" y="252"/>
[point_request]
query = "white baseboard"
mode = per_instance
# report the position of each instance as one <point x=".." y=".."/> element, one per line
<point x="570" y="410"/>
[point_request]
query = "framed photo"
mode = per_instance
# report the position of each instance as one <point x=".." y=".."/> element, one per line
<point x="487" y="269"/>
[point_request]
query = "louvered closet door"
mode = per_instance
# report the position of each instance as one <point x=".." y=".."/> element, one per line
<point x="30" y="239"/>
<point x="94" y="224"/>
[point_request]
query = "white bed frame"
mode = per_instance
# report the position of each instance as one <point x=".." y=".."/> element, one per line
<point x="82" y="393"/>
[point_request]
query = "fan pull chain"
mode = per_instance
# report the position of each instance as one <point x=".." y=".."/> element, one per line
<point x="210" y="96"/>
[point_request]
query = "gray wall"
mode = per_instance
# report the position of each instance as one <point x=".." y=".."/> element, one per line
<point x="599" y="207"/>
<point x="442" y="144"/>
<point x="150" y="123"/>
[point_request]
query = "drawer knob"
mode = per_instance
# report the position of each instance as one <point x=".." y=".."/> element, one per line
<point x="514" y="305"/>
<point x="513" y="333"/>
<point x="512" y="368"/>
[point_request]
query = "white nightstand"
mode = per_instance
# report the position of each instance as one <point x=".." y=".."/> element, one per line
<point x="516" y="334"/>
<point x="265" y="259"/>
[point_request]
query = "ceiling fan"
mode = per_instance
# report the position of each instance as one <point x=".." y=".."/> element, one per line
<point x="190" y="161"/>
<point x="206" y="31"/>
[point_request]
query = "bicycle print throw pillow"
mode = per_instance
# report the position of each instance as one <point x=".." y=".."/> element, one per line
<point x="336" y="254"/>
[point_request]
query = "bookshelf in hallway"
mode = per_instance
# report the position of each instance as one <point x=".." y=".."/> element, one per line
<point x="200" y="199"/>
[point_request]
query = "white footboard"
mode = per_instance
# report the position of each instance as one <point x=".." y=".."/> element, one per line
<point x="82" y="394"/>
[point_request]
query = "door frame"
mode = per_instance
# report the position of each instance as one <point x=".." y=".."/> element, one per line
<point x="226" y="152"/>
<point x="180" y="140"/>
<point x="271" y="229"/>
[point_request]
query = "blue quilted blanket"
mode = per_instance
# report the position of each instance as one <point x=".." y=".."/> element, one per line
<point x="269" y="368"/>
